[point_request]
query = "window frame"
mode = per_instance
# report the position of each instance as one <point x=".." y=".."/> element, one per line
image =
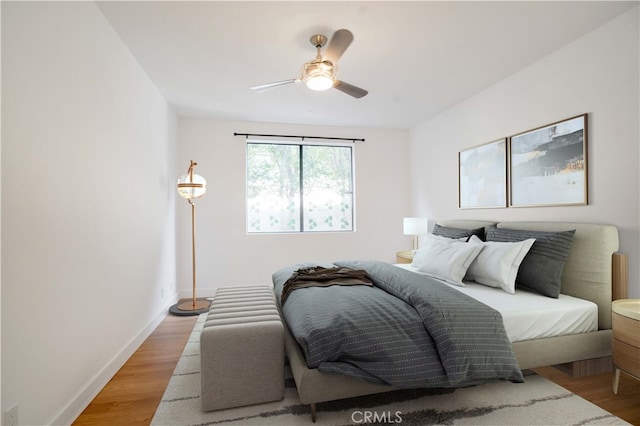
<point x="301" y="145"/>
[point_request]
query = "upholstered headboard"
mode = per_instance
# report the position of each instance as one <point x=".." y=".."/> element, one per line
<point x="588" y="271"/>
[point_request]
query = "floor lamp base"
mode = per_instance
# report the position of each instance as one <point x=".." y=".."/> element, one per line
<point x="187" y="308"/>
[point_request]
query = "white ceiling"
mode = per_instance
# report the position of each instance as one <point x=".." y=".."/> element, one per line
<point x="415" y="58"/>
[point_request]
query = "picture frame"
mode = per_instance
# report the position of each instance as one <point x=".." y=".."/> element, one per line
<point x="548" y="165"/>
<point x="482" y="176"/>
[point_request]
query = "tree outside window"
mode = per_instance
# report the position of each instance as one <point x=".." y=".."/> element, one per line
<point x="299" y="188"/>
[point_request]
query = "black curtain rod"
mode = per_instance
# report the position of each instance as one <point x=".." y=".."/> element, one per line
<point x="246" y="135"/>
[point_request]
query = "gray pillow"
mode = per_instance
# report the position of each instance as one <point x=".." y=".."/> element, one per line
<point x="445" y="231"/>
<point x="541" y="269"/>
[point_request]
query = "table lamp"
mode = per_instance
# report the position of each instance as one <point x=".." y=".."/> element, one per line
<point x="415" y="226"/>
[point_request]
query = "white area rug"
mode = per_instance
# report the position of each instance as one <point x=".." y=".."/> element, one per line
<point x="536" y="402"/>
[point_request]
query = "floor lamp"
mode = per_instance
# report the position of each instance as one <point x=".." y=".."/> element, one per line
<point x="191" y="186"/>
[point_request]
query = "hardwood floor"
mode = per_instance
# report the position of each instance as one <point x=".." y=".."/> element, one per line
<point x="598" y="389"/>
<point x="132" y="396"/>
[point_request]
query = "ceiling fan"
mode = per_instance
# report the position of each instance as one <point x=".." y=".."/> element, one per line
<point x="320" y="73"/>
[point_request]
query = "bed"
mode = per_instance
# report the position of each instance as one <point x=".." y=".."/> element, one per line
<point x="582" y="347"/>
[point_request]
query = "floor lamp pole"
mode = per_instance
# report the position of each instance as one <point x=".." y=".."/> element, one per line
<point x="193" y="306"/>
<point x="193" y="248"/>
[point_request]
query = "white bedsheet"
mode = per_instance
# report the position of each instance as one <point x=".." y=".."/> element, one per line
<point x="528" y="315"/>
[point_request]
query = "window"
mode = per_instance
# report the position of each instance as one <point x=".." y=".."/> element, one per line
<point x="299" y="188"/>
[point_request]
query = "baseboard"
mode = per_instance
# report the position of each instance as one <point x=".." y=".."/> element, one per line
<point x="80" y="401"/>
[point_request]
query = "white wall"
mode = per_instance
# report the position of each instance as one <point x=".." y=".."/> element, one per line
<point x="597" y="74"/>
<point x="88" y="225"/>
<point x="227" y="256"/>
<point x="1" y="406"/>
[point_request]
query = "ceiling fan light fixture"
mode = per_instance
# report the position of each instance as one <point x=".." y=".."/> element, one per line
<point x="320" y="82"/>
<point x="319" y="75"/>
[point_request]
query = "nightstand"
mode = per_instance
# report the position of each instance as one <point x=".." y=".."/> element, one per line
<point x="625" y="323"/>
<point x="404" y="256"/>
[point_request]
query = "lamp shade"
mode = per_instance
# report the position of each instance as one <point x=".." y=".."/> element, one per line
<point x="415" y="226"/>
<point x="319" y="75"/>
<point x="191" y="185"/>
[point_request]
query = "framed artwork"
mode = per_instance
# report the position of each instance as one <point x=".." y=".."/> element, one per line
<point x="482" y="176"/>
<point x="548" y="165"/>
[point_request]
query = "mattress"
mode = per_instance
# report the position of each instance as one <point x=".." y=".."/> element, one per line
<point x="529" y="316"/>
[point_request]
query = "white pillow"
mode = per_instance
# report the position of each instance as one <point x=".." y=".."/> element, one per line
<point x="420" y="255"/>
<point x="497" y="264"/>
<point x="446" y="258"/>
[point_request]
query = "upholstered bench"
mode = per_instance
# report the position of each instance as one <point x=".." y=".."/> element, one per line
<point x="242" y="349"/>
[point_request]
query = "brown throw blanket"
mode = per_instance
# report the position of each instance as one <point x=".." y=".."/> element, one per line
<point x="318" y="276"/>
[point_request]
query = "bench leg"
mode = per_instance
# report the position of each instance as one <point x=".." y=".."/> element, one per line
<point x="313" y="412"/>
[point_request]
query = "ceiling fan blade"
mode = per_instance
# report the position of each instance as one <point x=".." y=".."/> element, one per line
<point x="350" y="89"/>
<point x="275" y="84"/>
<point x="339" y="42"/>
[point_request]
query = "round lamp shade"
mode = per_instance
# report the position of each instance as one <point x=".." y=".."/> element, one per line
<point x="319" y="75"/>
<point x="191" y="186"/>
<point x="320" y="82"/>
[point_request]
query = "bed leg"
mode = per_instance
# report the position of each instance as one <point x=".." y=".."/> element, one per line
<point x="313" y="412"/>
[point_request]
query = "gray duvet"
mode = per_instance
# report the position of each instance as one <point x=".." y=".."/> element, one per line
<point x="408" y="330"/>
